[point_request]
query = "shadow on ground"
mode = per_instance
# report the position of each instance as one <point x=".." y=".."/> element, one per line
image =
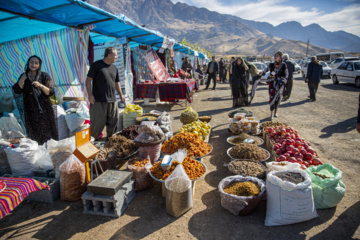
<point x="341" y="87"/>
<point x="340" y="127"/>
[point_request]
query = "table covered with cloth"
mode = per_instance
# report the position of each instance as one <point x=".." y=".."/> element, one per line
<point x="16" y="190"/>
<point x="169" y="92"/>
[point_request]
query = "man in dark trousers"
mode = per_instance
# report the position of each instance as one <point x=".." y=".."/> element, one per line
<point x="212" y="70"/>
<point x="289" y="83"/>
<point x="313" y="76"/>
<point x="103" y="106"/>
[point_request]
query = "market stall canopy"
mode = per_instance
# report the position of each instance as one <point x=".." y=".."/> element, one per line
<point x="23" y="18"/>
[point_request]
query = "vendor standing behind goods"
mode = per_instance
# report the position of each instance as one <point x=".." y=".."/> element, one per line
<point x="103" y="107"/>
<point x="37" y="87"/>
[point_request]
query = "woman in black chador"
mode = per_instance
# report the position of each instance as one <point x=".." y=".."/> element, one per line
<point x="239" y="84"/>
<point x="37" y="87"/>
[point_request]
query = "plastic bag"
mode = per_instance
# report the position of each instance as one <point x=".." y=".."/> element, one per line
<point x="179" y="197"/>
<point x="130" y="113"/>
<point x="153" y="152"/>
<point x="74" y="121"/>
<point x="164" y="121"/>
<point x="141" y="175"/>
<point x="12" y="134"/>
<point x="327" y="191"/>
<point x="4" y="163"/>
<point x="289" y="203"/>
<point x="63" y="129"/>
<point x="72" y="179"/>
<point x="60" y="151"/>
<point x="83" y="111"/>
<point x="146" y="124"/>
<point x="9" y="123"/>
<point x="150" y="134"/>
<point x="22" y="159"/>
<point x="179" y="156"/>
<point x="279" y="166"/>
<point x="240" y="205"/>
<point x="6" y="102"/>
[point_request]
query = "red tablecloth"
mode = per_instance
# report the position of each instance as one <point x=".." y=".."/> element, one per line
<point x="167" y="91"/>
<point x="17" y="189"/>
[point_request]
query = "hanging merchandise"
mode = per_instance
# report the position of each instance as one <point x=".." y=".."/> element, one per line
<point x="289" y="198"/>
<point x="327" y="186"/>
<point x="130" y="113"/>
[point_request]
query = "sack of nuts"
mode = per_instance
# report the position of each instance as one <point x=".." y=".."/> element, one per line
<point x="72" y="179"/>
<point x="140" y="169"/>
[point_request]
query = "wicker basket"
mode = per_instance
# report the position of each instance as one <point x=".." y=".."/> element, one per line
<point x="205" y="119"/>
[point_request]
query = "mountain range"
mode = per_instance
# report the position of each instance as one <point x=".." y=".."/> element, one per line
<point x="227" y="34"/>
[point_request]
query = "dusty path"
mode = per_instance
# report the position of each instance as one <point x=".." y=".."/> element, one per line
<point x="329" y="125"/>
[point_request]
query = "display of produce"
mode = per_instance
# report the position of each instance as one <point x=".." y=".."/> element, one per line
<point x="295" y="178"/>
<point x="200" y="128"/>
<point x="194" y="169"/>
<point x="272" y="124"/>
<point x="122" y="145"/>
<point x="130" y="132"/>
<point x="107" y="159"/>
<point x="192" y="143"/>
<point x="242" y="189"/>
<point x="247" y="168"/>
<point x="240" y="110"/>
<point x="188" y="116"/>
<point x="140" y="169"/>
<point x="149" y="133"/>
<point x="248" y="151"/>
<point x="164" y="122"/>
<point x="290" y="147"/>
<point x="242" y="136"/>
<point x="146" y="117"/>
<point x="205" y="118"/>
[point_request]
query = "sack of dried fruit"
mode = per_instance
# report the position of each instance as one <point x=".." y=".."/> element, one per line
<point x="241" y="195"/>
<point x="328" y="189"/>
<point x="140" y="169"/>
<point x="72" y="179"/>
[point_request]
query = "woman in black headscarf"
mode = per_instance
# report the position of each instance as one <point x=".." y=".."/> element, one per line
<point x="239" y="84"/>
<point x="37" y="87"/>
<point x="278" y="77"/>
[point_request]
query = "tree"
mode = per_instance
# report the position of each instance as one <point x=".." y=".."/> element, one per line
<point x="196" y="47"/>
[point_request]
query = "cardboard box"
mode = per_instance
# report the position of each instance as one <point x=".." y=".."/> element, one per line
<point x="85" y="149"/>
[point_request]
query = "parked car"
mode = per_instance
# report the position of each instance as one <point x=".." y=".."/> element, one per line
<point x="297" y="67"/>
<point x="326" y="69"/>
<point x="261" y="66"/>
<point x="347" y="72"/>
<point x="338" y="61"/>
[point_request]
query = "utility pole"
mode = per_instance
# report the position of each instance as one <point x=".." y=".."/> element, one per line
<point x="307" y="48"/>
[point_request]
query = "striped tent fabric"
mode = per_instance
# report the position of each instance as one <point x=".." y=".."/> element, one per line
<point x="16" y="190"/>
<point x="64" y="56"/>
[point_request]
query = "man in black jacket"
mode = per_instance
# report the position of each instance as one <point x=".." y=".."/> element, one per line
<point x="289" y="83"/>
<point x="212" y="70"/>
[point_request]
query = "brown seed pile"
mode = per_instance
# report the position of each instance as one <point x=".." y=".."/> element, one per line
<point x="247" y="168"/>
<point x="248" y="151"/>
<point x="295" y="178"/>
<point x="240" y="139"/>
<point x="244" y="189"/>
<point x="122" y="145"/>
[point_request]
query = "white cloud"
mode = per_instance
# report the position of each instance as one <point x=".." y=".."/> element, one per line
<point x="276" y="12"/>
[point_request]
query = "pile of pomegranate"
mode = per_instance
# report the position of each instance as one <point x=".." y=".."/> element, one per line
<point x="290" y="147"/>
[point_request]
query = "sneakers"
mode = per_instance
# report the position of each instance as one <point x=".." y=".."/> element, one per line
<point x="275" y="115"/>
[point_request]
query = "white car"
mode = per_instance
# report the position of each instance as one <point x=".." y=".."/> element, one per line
<point x="338" y="61"/>
<point x="326" y="69"/>
<point x="261" y="66"/>
<point x="297" y="67"/>
<point x="347" y="72"/>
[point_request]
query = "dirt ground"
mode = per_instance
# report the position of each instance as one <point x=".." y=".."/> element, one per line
<point x="328" y="124"/>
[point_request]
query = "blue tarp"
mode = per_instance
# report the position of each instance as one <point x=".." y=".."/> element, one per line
<point x="23" y="18"/>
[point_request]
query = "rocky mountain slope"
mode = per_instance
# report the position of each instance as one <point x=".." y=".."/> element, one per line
<point x="221" y="33"/>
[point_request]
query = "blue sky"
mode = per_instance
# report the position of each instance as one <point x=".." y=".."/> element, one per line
<point x="333" y="15"/>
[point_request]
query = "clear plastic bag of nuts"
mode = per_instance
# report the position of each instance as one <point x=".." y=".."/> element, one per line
<point x="72" y="179"/>
<point x="140" y="169"/>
